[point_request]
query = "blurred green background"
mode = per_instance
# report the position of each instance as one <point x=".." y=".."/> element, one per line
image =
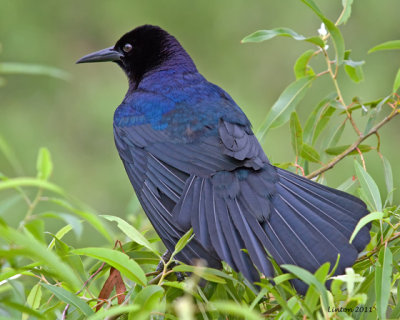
<point x="74" y="118"/>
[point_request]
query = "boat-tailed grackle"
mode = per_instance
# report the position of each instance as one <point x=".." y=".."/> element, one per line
<point x="194" y="162"/>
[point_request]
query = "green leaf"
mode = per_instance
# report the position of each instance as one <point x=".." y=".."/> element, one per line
<point x="234" y="309"/>
<point x="114" y="311"/>
<point x="334" y="151"/>
<point x="36" y="228"/>
<point x="301" y="67"/>
<point x="186" y="238"/>
<point x="60" y="234"/>
<point x="24" y="309"/>
<point x="350" y="278"/>
<point x="263" y="35"/>
<point x="10" y="156"/>
<point x="383" y="281"/>
<point x="33" y="69"/>
<point x="69" y="298"/>
<point x="312" y="118"/>
<point x="132" y="233"/>
<point x="346" y="12"/>
<point x="44" y="165"/>
<point x="369" y="186"/>
<point x="310" y="279"/>
<point x="203" y="272"/>
<point x="34" y="297"/>
<point x="396" y="83"/>
<point x="296" y="133"/>
<point x="389" y="45"/>
<point x="387" y="168"/>
<point x="309" y="153"/>
<point x="314" y="7"/>
<point x="354" y="72"/>
<point x="322" y="121"/>
<point x="149" y="297"/>
<point x="118" y="260"/>
<point x="364" y="221"/>
<point x="29" y="182"/>
<point x="39" y="252"/>
<point x="335" y="135"/>
<point x="337" y="37"/>
<point x="284" y="106"/>
<point x="347" y="184"/>
<point x="312" y="296"/>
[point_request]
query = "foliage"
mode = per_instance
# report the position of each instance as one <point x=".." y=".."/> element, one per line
<point x="45" y="277"/>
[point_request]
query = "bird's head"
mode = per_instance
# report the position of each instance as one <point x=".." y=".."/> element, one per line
<point x="142" y="50"/>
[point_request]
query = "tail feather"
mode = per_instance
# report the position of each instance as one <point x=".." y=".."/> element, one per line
<point x="246" y="217"/>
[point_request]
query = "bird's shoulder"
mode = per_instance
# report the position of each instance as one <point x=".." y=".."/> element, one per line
<point x="191" y="117"/>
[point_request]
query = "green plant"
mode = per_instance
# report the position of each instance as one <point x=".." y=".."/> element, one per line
<point x="45" y="277"/>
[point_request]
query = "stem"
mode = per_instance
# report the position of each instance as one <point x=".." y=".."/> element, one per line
<point x="338" y="91"/>
<point x="394" y="237"/>
<point x="354" y="146"/>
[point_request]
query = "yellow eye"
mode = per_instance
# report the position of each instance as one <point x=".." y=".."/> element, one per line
<point x="127" y="47"/>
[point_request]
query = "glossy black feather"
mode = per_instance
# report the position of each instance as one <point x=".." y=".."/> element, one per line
<point x="194" y="162"/>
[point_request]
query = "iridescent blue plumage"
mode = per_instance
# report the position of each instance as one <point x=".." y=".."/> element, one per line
<point x="194" y="162"/>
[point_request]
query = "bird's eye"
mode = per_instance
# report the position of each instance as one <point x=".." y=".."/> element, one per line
<point x="127" y="47"/>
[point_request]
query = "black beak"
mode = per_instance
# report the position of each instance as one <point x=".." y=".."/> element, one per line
<point x="109" y="54"/>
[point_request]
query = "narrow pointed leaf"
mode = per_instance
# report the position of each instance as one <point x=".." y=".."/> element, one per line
<point x="234" y="309"/>
<point x="183" y="242"/>
<point x="387" y="168"/>
<point x="310" y="279"/>
<point x="322" y="121"/>
<point x="309" y="127"/>
<point x="309" y="153"/>
<point x="334" y="135"/>
<point x="37" y="251"/>
<point x="132" y="233"/>
<point x="69" y="298"/>
<point x="296" y="133"/>
<point x="389" y="45"/>
<point x="44" y="165"/>
<point x="301" y="67"/>
<point x="346" y="11"/>
<point x="118" y="260"/>
<point x="112" y="313"/>
<point x="262" y="35"/>
<point x="337" y="37"/>
<point x="29" y="182"/>
<point x="383" y="281"/>
<point x="334" y="151"/>
<point x="396" y="83"/>
<point x="34" y="297"/>
<point x="369" y="187"/>
<point x="33" y="69"/>
<point x="355" y="73"/>
<point x="364" y="221"/>
<point x="205" y="273"/>
<point x="284" y="106"/>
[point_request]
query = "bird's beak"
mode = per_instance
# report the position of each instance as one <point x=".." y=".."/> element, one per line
<point x="109" y="54"/>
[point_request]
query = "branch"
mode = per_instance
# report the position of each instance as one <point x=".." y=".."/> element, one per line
<point x="354" y="146"/>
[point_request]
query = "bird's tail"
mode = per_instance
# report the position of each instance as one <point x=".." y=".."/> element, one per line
<point x="244" y="217"/>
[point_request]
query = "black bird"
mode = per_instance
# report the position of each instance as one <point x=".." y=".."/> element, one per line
<point x="194" y="162"/>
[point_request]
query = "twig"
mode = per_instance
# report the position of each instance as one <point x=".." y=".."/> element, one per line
<point x="362" y="158"/>
<point x="64" y="314"/>
<point x="354" y="146"/>
<point x="272" y="310"/>
<point x="371" y="253"/>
